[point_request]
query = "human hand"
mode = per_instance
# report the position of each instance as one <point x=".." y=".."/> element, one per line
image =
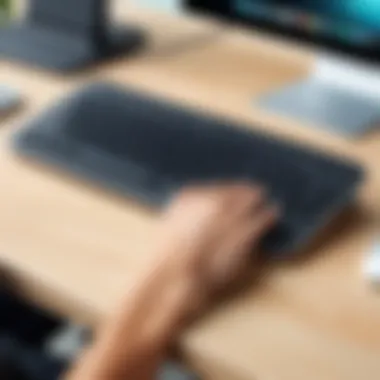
<point x="208" y="237"/>
<point x="205" y="241"/>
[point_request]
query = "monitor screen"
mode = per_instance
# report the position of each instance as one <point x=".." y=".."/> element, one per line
<point x="352" y="26"/>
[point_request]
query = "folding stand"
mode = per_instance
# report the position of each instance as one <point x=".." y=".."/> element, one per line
<point x="65" y="35"/>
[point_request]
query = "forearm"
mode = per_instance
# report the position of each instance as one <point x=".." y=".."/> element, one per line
<point x="205" y="242"/>
<point x="135" y="341"/>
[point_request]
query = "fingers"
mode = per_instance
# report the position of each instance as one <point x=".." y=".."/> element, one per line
<point x="209" y="233"/>
<point x="235" y="199"/>
<point x="235" y="255"/>
<point x="263" y="221"/>
<point x="245" y="200"/>
<point x="249" y="235"/>
<point x="220" y="225"/>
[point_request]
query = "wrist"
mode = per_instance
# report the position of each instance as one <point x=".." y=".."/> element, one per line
<point x="166" y="299"/>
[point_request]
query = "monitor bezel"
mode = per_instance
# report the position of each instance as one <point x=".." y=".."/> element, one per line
<point x="217" y="8"/>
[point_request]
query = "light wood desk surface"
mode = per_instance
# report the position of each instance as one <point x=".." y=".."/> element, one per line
<point x="73" y="247"/>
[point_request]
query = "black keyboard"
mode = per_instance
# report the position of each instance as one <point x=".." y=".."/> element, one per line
<point x="143" y="147"/>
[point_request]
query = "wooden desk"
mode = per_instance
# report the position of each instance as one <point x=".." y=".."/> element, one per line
<point x="73" y="247"/>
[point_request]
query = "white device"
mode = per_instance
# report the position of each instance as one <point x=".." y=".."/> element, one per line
<point x="342" y="96"/>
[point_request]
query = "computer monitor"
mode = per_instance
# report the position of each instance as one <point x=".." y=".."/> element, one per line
<point x="342" y="92"/>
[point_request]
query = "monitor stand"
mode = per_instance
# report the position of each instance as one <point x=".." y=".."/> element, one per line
<point x="66" y="35"/>
<point x="341" y="96"/>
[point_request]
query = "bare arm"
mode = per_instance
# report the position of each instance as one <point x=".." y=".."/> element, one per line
<point x="205" y="243"/>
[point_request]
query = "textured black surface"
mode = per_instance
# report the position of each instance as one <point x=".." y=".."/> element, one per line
<point x="141" y="146"/>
